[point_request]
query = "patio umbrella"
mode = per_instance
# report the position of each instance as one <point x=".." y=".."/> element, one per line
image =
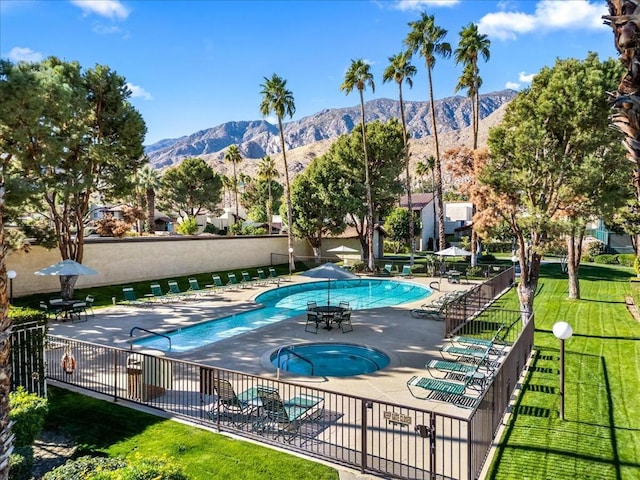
<point x="329" y="271"/>
<point x="454" y="252"/>
<point x="343" y="249"/>
<point x="66" y="268"/>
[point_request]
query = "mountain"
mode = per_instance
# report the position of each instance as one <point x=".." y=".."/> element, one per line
<point x="311" y="136"/>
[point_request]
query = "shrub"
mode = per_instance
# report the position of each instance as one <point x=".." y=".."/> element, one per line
<point x="21" y="463"/>
<point x="627" y="259"/>
<point x="188" y="226"/>
<point x="606" y="259"/>
<point x="358" y="266"/>
<point x="20" y="315"/>
<point x="100" y="468"/>
<point x="28" y="411"/>
<point x="84" y="467"/>
<point x="487" y="257"/>
<point x="474" y="271"/>
<point x="594" y="248"/>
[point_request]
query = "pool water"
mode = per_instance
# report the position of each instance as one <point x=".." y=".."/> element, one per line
<point x="286" y="302"/>
<point x="329" y="359"/>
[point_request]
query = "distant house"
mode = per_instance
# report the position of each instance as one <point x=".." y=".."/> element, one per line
<point x="457" y="217"/>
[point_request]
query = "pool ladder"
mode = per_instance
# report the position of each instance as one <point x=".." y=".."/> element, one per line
<point x="148" y="331"/>
<point x="291" y="352"/>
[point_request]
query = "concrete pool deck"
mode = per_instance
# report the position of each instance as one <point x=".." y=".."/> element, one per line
<point x="409" y="342"/>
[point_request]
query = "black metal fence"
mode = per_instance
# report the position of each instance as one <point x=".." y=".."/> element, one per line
<point x="367" y="434"/>
<point x="27" y="357"/>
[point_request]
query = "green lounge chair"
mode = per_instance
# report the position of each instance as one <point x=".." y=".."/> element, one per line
<point x="157" y="295"/>
<point x="217" y="283"/>
<point x="233" y="282"/>
<point x="194" y="288"/>
<point x="220" y="400"/>
<point x="274" y="275"/>
<point x="406" y="271"/>
<point x="263" y="277"/>
<point x="442" y="390"/>
<point x="388" y="269"/>
<point x="433" y="311"/>
<point x="131" y="300"/>
<point x="246" y="281"/>
<point x="174" y="291"/>
<point x="285" y="417"/>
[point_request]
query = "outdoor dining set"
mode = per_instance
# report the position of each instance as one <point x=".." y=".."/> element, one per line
<point x="328" y="315"/>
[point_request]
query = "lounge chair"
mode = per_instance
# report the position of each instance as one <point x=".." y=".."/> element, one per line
<point x="194" y="288"/>
<point x="388" y="269"/>
<point x="406" y="271"/>
<point x="174" y="291"/>
<point x="480" y="356"/>
<point x="217" y="283"/>
<point x="285" y="417"/>
<point x="434" y="311"/>
<point x="447" y="366"/>
<point x="219" y="398"/>
<point x="131" y="300"/>
<point x="157" y="295"/>
<point x="274" y="275"/>
<point x="495" y="344"/>
<point x="247" y="281"/>
<point x="441" y="390"/>
<point x="263" y="277"/>
<point x="343" y="321"/>
<point x="313" y="321"/>
<point x="233" y="282"/>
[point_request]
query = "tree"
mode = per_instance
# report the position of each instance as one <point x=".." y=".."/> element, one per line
<point x="255" y="198"/>
<point x="544" y="158"/>
<point x="399" y="70"/>
<point x="422" y="169"/>
<point x="276" y="98"/>
<point x="191" y="188"/>
<point x="397" y="225"/>
<point x="268" y="172"/>
<point x="150" y="181"/>
<point x="233" y="156"/>
<point x="88" y="139"/>
<point x="427" y="39"/>
<point x="386" y="152"/>
<point x="359" y="76"/>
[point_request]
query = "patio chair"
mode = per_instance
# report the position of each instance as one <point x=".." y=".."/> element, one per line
<point x="274" y="275"/>
<point x="446" y="366"/>
<point x="220" y="399"/>
<point x="441" y="390"/>
<point x="246" y="281"/>
<point x="480" y="356"/>
<point x="263" y="277"/>
<point x="77" y="310"/>
<point x="233" y="281"/>
<point x="433" y="311"/>
<point x="174" y="291"/>
<point x="496" y="344"/>
<point x="313" y="321"/>
<point x="285" y="417"/>
<point x="89" y="300"/>
<point x="344" y="305"/>
<point x="50" y="311"/>
<point x="194" y="288"/>
<point x="217" y="283"/>
<point x="157" y="295"/>
<point x="312" y="305"/>
<point x="131" y="300"/>
<point x="344" y="321"/>
<point x="388" y="269"/>
<point x="406" y="271"/>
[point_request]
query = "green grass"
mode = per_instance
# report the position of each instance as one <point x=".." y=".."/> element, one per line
<point x="105" y="428"/>
<point x="600" y="436"/>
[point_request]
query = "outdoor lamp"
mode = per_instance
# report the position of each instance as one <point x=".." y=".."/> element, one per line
<point x="290" y="256"/>
<point x="562" y="331"/>
<point x="11" y="274"/>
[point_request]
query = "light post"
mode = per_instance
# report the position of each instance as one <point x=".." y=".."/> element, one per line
<point x="11" y="274"/>
<point x="514" y="260"/>
<point x="562" y="331"/>
<point x="290" y="262"/>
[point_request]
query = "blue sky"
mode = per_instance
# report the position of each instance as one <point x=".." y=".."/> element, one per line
<point x="196" y="64"/>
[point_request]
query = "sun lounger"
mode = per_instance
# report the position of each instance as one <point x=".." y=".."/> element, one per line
<point x="220" y="400"/>
<point x="233" y="282"/>
<point x="217" y="283"/>
<point x="247" y="281"/>
<point x="174" y="291"/>
<point x="285" y="417"/>
<point x="496" y="344"/>
<point x="446" y="366"/>
<point x="433" y="311"/>
<point x="131" y="300"/>
<point x="274" y="275"/>
<point x="157" y="295"/>
<point x="194" y="288"/>
<point x="406" y="271"/>
<point x="263" y="277"/>
<point x="441" y="390"/>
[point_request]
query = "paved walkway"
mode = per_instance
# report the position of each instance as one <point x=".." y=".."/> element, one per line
<point x="408" y="342"/>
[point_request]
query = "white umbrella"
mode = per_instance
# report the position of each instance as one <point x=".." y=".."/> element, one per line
<point x="66" y="268"/>
<point x="330" y="272"/>
<point x="454" y="252"/>
<point x="343" y="249"/>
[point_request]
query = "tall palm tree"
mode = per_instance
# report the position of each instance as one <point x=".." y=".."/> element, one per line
<point x="267" y="171"/>
<point x="400" y="69"/>
<point x="422" y="169"/>
<point x="359" y="76"/>
<point x="427" y="39"/>
<point x="276" y="98"/>
<point x="471" y="46"/>
<point x="233" y="156"/>
<point x="149" y="179"/>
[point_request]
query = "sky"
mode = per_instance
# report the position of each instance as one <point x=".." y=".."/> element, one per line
<point x="193" y="65"/>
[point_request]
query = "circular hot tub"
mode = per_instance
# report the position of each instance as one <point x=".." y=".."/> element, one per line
<point x="329" y="359"/>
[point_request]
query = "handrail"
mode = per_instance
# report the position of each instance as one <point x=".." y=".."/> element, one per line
<point x="148" y="331"/>
<point x="295" y="355"/>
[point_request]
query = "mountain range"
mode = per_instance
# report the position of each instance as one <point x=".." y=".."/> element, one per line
<point x="311" y="136"/>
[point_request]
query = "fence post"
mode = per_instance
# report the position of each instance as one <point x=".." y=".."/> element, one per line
<point x="432" y="445"/>
<point x="363" y="432"/>
<point x="115" y="375"/>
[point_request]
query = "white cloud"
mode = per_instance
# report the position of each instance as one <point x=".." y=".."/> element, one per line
<point x="512" y="85"/>
<point x="139" y="92"/>
<point x="23" y="54"/>
<point x="526" y="77"/>
<point x="420" y="4"/>
<point x="548" y="15"/>
<point x="106" y="29"/>
<point x="104" y="8"/>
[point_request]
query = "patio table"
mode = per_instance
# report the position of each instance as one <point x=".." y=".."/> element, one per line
<point x="328" y="313"/>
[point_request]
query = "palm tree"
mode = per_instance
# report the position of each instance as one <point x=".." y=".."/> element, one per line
<point x="399" y="70"/>
<point x="359" y="76"/>
<point x="422" y="169"/>
<point x="277" y="99"/>
<point x="233" y="156"/>
<point x="149" y="179"/>
<point x="471" y="46"/>
<point x="267" y="171"/>
<point x="427" y="39"/>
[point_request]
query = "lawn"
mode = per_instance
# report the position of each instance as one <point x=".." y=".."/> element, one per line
<point x="600" y="436"/>
<point x="104" y="428"/>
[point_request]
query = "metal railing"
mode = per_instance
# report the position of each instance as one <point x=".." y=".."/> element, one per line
<point x="373" y="436"/>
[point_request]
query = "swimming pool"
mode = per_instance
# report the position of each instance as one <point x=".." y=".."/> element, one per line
<point x="286" y="302"/>
<point x="329" y="359"/>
